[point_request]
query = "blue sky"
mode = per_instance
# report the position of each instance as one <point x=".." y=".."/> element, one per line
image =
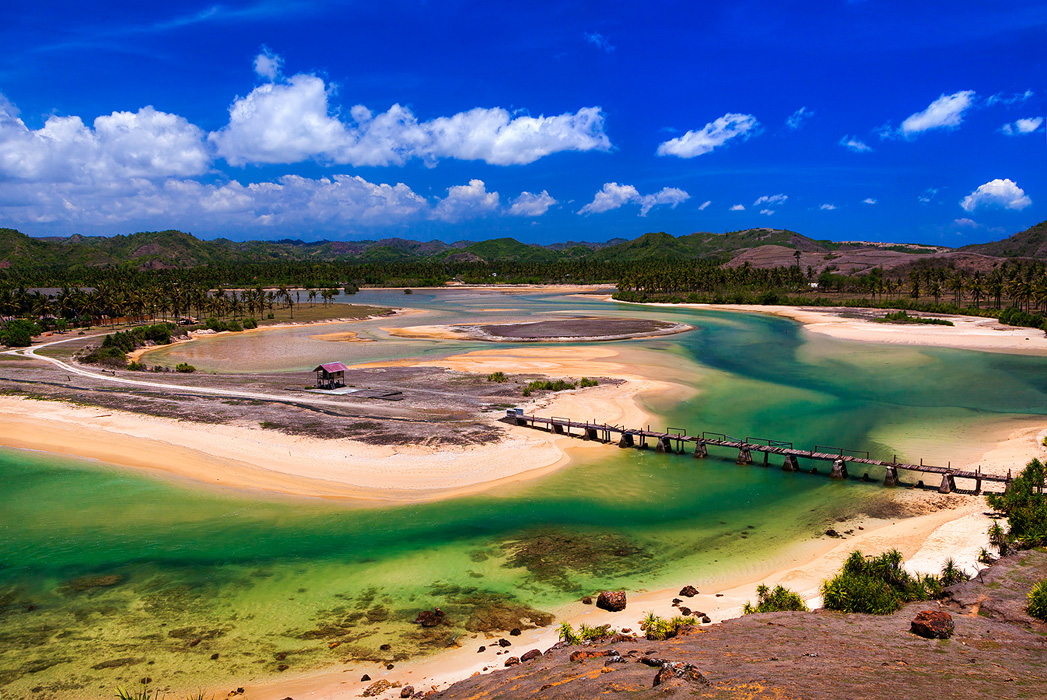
<point x="850" y="120"/>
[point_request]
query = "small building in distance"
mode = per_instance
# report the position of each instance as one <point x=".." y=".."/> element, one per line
<point x="330" y="375"/>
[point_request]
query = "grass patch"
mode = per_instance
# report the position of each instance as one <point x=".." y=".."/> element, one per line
<point x="904" y="318"/>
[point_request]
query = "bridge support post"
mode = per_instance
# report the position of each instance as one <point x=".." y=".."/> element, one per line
<point x="557" y="428"/>
<point x="839" y="470"/>
<point x="891" y="479"/>
<point x="948" y="484"/>
<point x="766" y="458"/>
<point x="790" y="465"/>
<point x="660" y="448"/>
<point x="744" y="456"/>
<point x="700" y="451"/>
<point x="665" y="444"/>
<point x="591" y="434"/>
<point x="626" y="440"/>
<point x="522" y="420"/>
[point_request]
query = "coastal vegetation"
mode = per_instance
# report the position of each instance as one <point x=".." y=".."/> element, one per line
<point x="876" y="584"/>
<point x="780" y="599"/>
<point x="1037" y="606"/>
<point x="659" y="628"/>
<point x="904" y="317"/>
<point x="1024" y="506"/>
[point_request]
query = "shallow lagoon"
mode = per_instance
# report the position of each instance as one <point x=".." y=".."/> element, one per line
<point x="103" y="568"/>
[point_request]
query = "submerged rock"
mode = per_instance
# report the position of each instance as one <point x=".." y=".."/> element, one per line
<point x="430" y="618"/>
<point x="614" y="601"/>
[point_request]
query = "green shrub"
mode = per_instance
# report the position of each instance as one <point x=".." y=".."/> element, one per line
<point x="539" y="385"/>
<point x="250" y="323"/>
<point x="1025" y="506"/>
<point x="586" y="382"/>
<point x="498" y="377"/>
<point x="567" y="633"/>
<point x="135" y="366"/>
<point x="185" y="368"/>
<point x="1038" y="601"/>
<point x="658" y="628"/>
<point x="903" y="317"/>
<point x="779" y="600"/>
<point x="876" y="585"/>
<point x="953" y="574"/>
<point x="18" y="333"/>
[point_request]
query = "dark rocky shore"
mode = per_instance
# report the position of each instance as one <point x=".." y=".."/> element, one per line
<point x="995" y="651"/>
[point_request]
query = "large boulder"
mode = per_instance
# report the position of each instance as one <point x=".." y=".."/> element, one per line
<point x="613" y="601"/>
<point x="377" y="688"/>
<point x="689" y="591"/>
<point x="529" y="655"/>
<point x="407" y="691"/>
<point x="933" y="624"/>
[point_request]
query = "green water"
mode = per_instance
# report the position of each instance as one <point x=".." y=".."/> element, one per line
<point x="107" y="577"/>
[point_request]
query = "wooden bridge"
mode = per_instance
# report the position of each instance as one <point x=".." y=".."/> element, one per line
<point x="674" y="440"/>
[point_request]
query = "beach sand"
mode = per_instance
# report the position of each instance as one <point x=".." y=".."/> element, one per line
<point x="966" y="333"/>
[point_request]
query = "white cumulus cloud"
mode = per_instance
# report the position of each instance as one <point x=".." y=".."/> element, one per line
<point x="997" y="193"/>
<point x="289" y="121"/>
<point x="466" y="201"/>
<point x="1016" y="98"/>
<point x="712" y="135"/>
<point x="613" y="196"/>
<point x="529" y="204"/>
<point x="771" y="199"/>
<point x="869" y="200"/>
<point x="854" y="144"/>
<point x="767" y="212"/>
<point x="827" y="207"/>
<point x="143" y="144"/>
<point x="946" y="112"/>
<point x="703" y="205"/>
<point x="1022" y="126"/>
<point x="268" y="65"/>
<point x="738" y="207"/>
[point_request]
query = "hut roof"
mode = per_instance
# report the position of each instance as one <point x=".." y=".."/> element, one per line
<point x="331" y="367"/>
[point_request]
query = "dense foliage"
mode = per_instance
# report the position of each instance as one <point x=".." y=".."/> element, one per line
<point x="778" y="600"/>
<point x="18" y="333"/>
<point x="1025" y="507"/>
<point x="877" y="585"/>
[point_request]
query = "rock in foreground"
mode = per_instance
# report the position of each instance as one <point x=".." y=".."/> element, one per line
<point x="614" y="601"/>
<point x="932" y="624"/>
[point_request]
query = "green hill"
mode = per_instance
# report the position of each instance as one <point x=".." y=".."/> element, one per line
<point x="1030" y="243"/>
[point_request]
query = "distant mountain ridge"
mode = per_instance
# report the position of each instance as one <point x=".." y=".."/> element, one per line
<point x="761" y="247"/>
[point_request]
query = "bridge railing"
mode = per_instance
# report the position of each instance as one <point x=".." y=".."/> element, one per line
<point x="768" y="442"/>
<point x="842" y="451"/>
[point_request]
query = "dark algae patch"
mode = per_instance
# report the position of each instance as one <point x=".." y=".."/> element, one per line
<point x="552" y="557"/>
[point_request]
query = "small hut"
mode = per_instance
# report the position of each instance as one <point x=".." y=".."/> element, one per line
<point x="330" y="375"/>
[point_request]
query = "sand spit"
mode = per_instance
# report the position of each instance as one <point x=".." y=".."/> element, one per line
<point x="843" y="323"/>
<point x="250" y="458"/>
<point x="568" y="330"/>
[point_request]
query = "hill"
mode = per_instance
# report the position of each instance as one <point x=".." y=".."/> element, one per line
<point x="1030" y="243"/>
<point x="758" y="247"/>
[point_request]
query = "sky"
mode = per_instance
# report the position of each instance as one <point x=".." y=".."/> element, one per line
<point x="544" y="121"/>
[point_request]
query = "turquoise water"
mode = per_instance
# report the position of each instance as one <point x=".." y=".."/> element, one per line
<point x="107" y="577"/>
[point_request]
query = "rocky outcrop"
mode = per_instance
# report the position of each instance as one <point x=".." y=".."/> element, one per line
<point x="678" y="673"/>
<point x="932" y="624"/>
<point x="688" y="591"/>
<point x="614" y="601"/>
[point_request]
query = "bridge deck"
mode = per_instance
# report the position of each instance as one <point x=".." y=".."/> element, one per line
<point x="773" y="447"/>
